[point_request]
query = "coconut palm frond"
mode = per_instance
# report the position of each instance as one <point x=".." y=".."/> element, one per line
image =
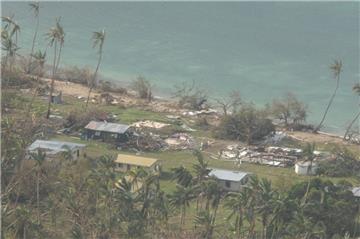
<point x="34" y="6"/>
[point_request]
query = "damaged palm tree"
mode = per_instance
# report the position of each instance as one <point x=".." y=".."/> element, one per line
<point x="99" y="39"/>
<point x="356" y="89"/>
<point x="56" y="37"/>
<point x="336" y="68"/>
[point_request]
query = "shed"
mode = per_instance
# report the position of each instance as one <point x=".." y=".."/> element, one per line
<point x="230" y="180"/>
<point x="303" y="168"/>
<point x="106" y="131"/>
<point x="126" y="162"/>
<point x="53" y="148"/>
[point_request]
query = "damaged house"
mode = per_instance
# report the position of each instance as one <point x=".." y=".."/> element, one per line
<point x="107" y="131"/>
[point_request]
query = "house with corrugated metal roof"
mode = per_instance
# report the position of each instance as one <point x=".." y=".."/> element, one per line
<point x="230" y="180"/>
<point x="53" y="148"/>
<point x="106" y="131"/>
<point x="125" y="162"/>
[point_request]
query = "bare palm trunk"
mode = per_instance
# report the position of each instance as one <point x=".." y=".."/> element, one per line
<point x="309" y="181"/>
<point x="58" y="58"/>
<point x="52" y="83"/>
<point x="351" y="124"/>
<point x="93" y="83"/>
<point x="33" y="44"/>
<point x="38" y="197"/>
<point x="328" y="106"/>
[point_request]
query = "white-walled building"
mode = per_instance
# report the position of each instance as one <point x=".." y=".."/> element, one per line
<point x="303" y="168"/>
<point x="53" y="148"/>
<point x="230" y="180"/>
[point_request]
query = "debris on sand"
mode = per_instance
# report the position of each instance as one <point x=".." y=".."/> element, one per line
<point x="149" y="124"/>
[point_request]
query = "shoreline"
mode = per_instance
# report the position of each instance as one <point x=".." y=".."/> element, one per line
<point x="167" y="105"/>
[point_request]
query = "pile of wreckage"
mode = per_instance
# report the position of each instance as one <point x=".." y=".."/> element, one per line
<point x="272" y="156"/>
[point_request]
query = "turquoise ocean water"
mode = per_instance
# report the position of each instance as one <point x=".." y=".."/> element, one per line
<point x="262" y="49"/>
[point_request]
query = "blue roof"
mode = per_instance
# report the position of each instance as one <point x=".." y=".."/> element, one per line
<point x="228" y="175"/>
<point x="54" y="147"/>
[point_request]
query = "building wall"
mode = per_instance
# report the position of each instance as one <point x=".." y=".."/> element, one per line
<point x="127" y="167"/>
<point x="234" y="186"/>
<point x="303" y="170"/>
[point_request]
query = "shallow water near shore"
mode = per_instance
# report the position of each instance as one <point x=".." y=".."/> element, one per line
<point x="261" y="49"/>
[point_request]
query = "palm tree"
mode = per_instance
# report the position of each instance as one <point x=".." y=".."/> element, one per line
<point x="34" y="6"/>
<point x="308" y="154"/>
<point x="55" y="36"/>
<point x="336" y="68"/>
<point x="236" y="202"/>
<point x="266" y="203"/>
<point x="39" y="158"/>
<point x="10" y="47"/>
<point x="39" y="57"/>
<point x="23" y="224"/>
<point x="182" y="176"/>
<point x="181" y="199"/>
<point x="98" y="40"/>
<point x="356" y="89"/>
<point x="11" y="29"/>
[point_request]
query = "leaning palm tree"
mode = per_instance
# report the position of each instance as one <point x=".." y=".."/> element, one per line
<point x="336" y="68"/>
<point x="55" y="37"/>
<point x="34" y="6"/>
<point x="98" y="40"/>
<point x="356" y="89"/>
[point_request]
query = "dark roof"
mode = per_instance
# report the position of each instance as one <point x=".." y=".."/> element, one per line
<point x="107" y="127"/>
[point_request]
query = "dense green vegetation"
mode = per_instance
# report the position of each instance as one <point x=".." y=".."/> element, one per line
<point x="88" y="198"/>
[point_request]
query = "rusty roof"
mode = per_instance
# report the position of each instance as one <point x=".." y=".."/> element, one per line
<point x="107" y="127"/>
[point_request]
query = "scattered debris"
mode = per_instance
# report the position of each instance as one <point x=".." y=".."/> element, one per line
<point x="149" y="124"/>
<point x="187" y="128"/>
<point x="199" y="112"/>
<point x="180" y="141"/>
<point x="173" y="117"/>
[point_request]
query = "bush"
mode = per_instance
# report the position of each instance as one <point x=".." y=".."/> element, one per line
<point x="249" y="124"/>
<point x="76" y="120"/>
<point x="143" y="88"/>
<point x="76" y="75"/>
<point x="111" y="87"/>
<point x="190" y="96"/>
<point x="344" y="164"/>
<point x="289" y="110"/>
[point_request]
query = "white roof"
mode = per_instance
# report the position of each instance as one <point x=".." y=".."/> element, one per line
<point x="356" y="191"/>
<point x="54" y="147"/>
<point x="228" y="175"/>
